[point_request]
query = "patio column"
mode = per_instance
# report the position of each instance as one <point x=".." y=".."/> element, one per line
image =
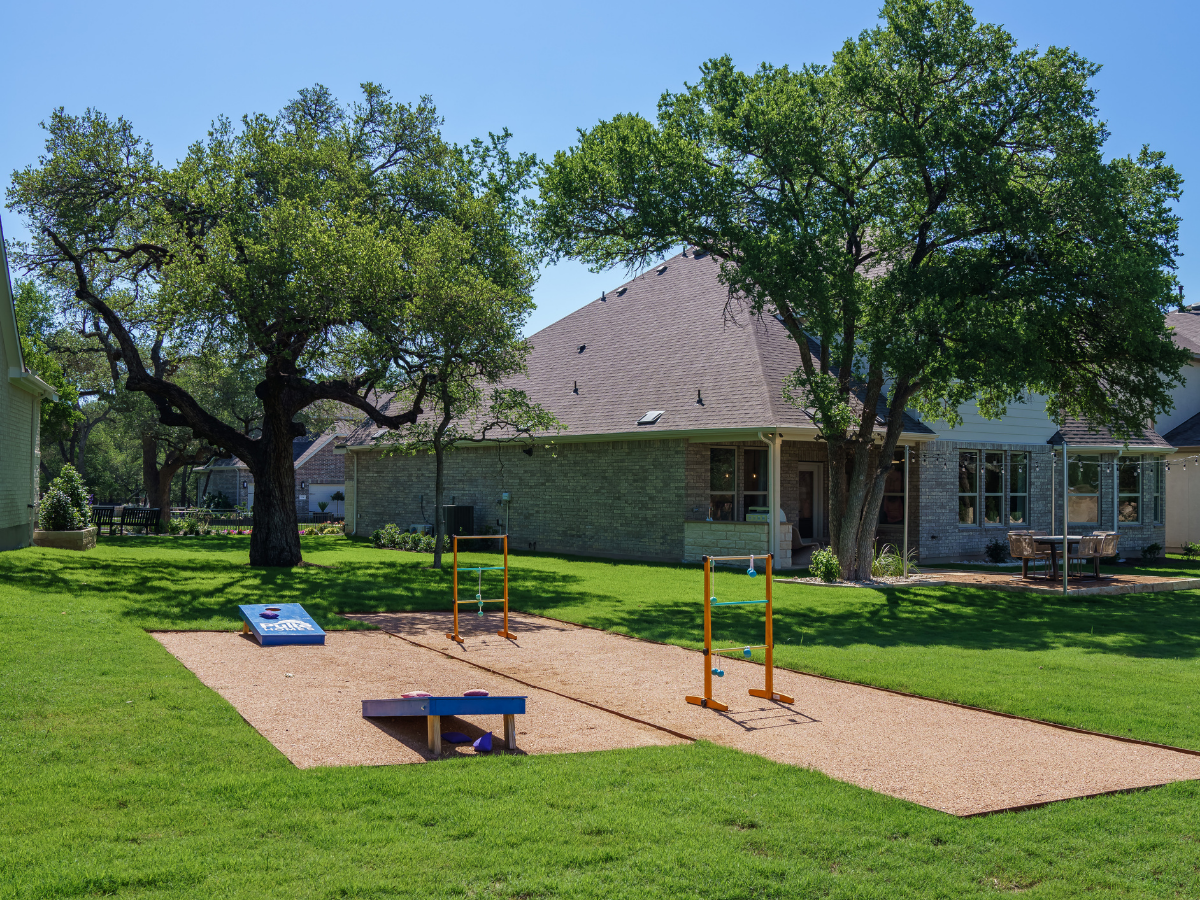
<point x="1066" y="552"/>
<point x="904" y="542"/>
<point x="776" y="468"/>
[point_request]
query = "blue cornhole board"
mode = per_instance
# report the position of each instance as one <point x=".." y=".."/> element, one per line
<point x="294" y="625"/>
<point x="444" y="706"/>
<point x="433" y="708"/>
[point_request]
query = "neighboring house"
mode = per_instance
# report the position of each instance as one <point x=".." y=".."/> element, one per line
<point x="20" y="420"/>
<point x="679" y="443"/>
<point x="319" y="474"/>
<point x="1182" y="431"/>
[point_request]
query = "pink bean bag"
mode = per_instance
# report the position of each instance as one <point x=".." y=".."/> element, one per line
<point x="417" y="694"/>
<point x="476" y="692"/>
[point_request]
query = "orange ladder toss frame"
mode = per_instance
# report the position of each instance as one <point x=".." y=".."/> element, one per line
<point x="504" y="632"/>
<point x="768" y="693"/>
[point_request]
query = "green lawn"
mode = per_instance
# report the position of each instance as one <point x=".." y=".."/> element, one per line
<point x="121" y="775"/>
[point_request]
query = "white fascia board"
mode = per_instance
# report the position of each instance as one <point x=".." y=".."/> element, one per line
<point x="708" y="435"/>
<point x="27" y="381"/>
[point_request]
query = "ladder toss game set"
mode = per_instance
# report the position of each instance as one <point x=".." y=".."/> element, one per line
<point x="710" y="601"/>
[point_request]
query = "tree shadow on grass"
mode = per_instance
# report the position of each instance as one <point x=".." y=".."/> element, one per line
<point x="1155" y="625"/>
<point x="185" y="592"/>
<point x="191" y="590"/>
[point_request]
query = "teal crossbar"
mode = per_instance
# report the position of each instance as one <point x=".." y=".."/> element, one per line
<point x="738" y="603"/>
<point x="481" y="568"/>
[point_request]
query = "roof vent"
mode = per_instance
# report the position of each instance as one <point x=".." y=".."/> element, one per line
<point x="603" y="297"/>
<point x="661" y="269"/>
<point x="582" y="347"/>
<point x="621" y="292"/>
<point x="651" y="417"/>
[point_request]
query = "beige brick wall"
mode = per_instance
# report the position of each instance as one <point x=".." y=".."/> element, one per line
<point x="608" y="498"/>
<point x="702" y="539"/>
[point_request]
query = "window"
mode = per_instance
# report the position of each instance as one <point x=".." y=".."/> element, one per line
<point x="722" y="463"/>
<point x="1083" y="489"/>
<point x="1129" y="489"/>
<point x="891" y="512"/>
<point x="968" y="487"/>
<point x="754" y="486"/>
<point x="993" y="488"/>
<point x="1160" y="490"/>
<point x="1018" y="489"/>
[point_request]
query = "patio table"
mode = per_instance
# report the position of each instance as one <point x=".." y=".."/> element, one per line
<point x="1055" y="542"/>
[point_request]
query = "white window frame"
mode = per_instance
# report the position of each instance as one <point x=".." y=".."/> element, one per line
<point x="1135" y="464"/>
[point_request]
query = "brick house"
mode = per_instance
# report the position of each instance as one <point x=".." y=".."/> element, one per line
<point x="319" y="474"/>
<point x="679" y="443"/>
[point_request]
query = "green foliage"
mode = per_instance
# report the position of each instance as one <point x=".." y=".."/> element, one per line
<point x="58" y="513"/>
<point x="216" y="500"/>
<point x="824" y="565"/>
<point x="888" y="562"/>
<point x="1151" y="552"/>
<point x="1190" y="550"/>
<point x="934" y="208"/>
<point x="70" y="484"/>
<point x="996" y="551"/>
<point x="308" y="247"/>
<point x="37" y="325"/>
<point x="392" y="537"/>
<point x="322" y="506"/>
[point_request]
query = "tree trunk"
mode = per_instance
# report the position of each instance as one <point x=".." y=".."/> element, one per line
<point x="275" y="538"/>
<point x="150" y="479"/>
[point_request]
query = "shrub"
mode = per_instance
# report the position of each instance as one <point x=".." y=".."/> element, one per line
<point x="996" y="551"/>
<point x="176" y="526"/>
<point x="1151" y="551"/>
<point x="824" y="565"/>
<point x="889" y="563"/>
<point x="58" y="513"/>
<point x="70" y="483"/>
<point x="388" y="537"/>
<point x="1190" y="550"/>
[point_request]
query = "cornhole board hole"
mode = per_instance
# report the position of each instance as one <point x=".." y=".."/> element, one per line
<point x="433" y="708"/>
<point x="293" y="625"/>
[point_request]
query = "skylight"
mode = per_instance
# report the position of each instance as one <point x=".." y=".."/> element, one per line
<point x="651" y="417"/>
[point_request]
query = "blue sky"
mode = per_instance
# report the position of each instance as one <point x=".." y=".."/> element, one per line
<point x="541" y="69"/>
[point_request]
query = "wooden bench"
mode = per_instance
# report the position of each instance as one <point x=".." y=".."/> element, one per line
<point x="139" y="517"/>
<point x="102" y="517"/>
<point x="433" y="708"/>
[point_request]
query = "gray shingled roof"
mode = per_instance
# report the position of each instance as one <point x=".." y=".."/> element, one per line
<point x="1186" y="434"/>
<point x="651" y="345"/>
<point x="1080" y="433"/>
<point x="1187" y="328"/>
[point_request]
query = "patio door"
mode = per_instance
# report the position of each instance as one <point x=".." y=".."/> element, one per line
<point x="809" y="523"/>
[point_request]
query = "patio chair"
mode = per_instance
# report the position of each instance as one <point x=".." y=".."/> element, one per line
<point x="1090" y="546"/>
<point x="1021" y="546"/>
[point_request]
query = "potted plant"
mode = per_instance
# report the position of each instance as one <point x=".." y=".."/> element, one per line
<point x="64" y="516"/>
<point x="337" y="497"/>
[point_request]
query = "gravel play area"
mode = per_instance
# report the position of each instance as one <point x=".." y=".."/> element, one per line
<point x="307" y="700"/>
<point x="961" y="761"/>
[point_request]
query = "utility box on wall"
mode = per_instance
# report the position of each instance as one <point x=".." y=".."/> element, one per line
<point x="459" y="519"/>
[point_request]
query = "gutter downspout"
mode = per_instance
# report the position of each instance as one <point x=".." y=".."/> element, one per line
<point x="775" y="443"/>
